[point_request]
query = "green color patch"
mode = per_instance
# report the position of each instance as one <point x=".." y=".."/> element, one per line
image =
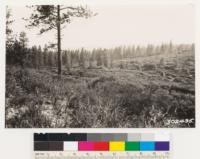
<point x="132" y="146"/>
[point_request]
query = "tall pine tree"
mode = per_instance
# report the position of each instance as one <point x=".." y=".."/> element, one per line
<point x="55" y="17"/>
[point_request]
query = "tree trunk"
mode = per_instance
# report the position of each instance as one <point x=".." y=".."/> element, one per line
<point x="59" y="41"/>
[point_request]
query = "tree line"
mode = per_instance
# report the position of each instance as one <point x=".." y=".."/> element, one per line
<point x="18" y="53"/>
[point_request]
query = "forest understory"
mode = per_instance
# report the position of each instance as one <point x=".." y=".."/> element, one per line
<point x="146" y="92"/>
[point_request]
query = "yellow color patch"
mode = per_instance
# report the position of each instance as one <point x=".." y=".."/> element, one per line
<point x="116" y="146"/>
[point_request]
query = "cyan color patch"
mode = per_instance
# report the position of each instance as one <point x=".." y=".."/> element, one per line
<point x="147" y="146"/>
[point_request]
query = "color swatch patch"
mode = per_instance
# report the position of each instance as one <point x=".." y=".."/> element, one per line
<point x="132" y="146"/>
<point x="116" y="146"/>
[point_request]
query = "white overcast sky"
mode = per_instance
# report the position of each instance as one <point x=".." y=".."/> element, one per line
<point x="118" y="25"/>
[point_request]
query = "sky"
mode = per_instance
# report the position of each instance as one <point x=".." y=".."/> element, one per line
<point x="117" y="25"/>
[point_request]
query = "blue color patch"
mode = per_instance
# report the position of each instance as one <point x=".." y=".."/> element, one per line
<point x="147" y="146"/>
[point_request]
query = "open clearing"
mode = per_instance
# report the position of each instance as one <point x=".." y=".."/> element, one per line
<point x="146" y="92"/>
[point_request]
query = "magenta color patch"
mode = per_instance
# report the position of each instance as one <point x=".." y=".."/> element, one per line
<point x="85" y="146"/>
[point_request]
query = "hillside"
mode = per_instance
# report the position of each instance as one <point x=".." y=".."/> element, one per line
<point x="137" y="92"/>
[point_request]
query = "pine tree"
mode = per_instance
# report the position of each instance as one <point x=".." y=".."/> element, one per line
<point x="132" y="50"/>
<point x="40" y="57"/>
<point x="105" y="58"/>
<point x="50" y="59"/>
<point x="138" y="51"/>
<point x="45" y="55"/>
<point x="91" y="60"/>
<point x="22" y="53"/>
<point x="55" y="17"/>
<point x="170" y="47"/>
<point x="111" y="58"/>
<point x="9" y="37"/>
<point x="66" y="60"/>
<point x="99" y="58"/>
<point x="82" y="58"/>
<point x="149" y="50"/>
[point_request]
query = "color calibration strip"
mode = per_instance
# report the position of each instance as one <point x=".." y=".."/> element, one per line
<point x="101" y="142"/>
<point x="102" y="146"/>
<point x="93" y="144"/>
